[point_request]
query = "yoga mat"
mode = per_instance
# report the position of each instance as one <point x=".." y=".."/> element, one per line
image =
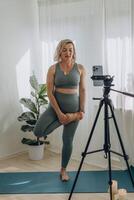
<point x="49" y="182"/>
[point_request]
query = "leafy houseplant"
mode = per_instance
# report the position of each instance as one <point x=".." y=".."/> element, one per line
<point x="34" y="104"/>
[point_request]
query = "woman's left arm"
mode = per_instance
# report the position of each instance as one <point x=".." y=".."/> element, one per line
<point x="82" y="88"/>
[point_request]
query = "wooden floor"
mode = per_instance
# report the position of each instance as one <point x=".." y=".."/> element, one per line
<point x="51" y="162"/>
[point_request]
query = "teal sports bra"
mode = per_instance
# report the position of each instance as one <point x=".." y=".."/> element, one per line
<point x="70" y="80"/>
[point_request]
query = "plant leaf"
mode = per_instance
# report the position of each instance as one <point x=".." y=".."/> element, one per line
<point x="27" y="128"/>
<point x="43" y="100"/>
<point x="33" y="94"/>
<point x="28" y="103"/>
<point x="26" y="116"/>
<point x="42" y="89"/>
<point x="31" y="122"/>
<point x="31" y="142"/>
<point x="34" y="82"/>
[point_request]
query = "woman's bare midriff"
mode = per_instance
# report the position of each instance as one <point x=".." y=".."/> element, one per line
<point x="67" y="90"/>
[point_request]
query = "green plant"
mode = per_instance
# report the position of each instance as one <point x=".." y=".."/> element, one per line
<point x="38" y="99"/>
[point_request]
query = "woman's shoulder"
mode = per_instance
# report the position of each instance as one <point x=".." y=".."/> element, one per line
<point x="81" y="68"/>
<point x="52" y="68"/>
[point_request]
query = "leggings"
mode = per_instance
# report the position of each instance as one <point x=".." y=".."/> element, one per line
<point x="48" y="121"/>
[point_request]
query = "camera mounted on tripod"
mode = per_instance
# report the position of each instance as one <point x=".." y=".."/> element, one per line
<point x="105" y="80"/>
<point x="99" y="79"/>
<point x="102" y="80"/>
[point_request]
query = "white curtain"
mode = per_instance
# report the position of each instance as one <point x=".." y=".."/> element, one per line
<point x="119" y="57"/>
<point x="103" y="35"/>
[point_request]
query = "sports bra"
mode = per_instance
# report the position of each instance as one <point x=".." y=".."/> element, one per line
<point x="70" y="80"/>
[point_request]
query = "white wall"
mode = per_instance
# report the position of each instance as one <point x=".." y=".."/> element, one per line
<point x="19" y="52"/>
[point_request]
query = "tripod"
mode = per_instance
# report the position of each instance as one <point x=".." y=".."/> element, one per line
<point x="107" y="103"/>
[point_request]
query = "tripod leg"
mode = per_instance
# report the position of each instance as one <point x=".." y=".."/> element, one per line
<point x="107" y="145"/>
<point x="110" y="174"/>
<point x="122" y="146"/>
<point x="86" y="148"/>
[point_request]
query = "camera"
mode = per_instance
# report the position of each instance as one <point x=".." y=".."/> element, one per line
<point x="99" y="79"/>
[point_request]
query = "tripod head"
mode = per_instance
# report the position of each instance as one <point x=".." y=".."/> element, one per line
<point x="107" y="79"/>
<point x="107" y="82"/>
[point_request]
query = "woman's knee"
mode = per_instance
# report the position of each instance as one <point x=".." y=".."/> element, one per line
<point x="46" y="123"/>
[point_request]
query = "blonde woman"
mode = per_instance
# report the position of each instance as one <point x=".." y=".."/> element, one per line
<point x="66" y="92"/>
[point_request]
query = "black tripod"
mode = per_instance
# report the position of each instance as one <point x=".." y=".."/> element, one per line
<point x="107" y="146"/>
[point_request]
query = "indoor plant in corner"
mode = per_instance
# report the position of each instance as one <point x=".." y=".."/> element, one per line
<point x="34" y="104"/>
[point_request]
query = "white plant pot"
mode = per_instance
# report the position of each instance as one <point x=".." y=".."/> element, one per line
<point x="36" y="152"/>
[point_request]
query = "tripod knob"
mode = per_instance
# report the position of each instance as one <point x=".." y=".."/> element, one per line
<point x="96" y="98"/>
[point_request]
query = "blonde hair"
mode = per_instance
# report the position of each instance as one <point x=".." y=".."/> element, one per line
<point x="59" y="48"/>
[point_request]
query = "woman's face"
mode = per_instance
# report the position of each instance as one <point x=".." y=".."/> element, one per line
<point x="67" y="52"/>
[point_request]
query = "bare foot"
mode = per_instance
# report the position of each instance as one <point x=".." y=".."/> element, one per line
<point x="64" y="176"/>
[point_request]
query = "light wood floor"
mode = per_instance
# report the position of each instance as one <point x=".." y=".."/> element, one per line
<point x="51" y="162"/>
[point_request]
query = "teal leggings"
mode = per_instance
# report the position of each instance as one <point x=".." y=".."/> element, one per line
<point x="48" y="121"/>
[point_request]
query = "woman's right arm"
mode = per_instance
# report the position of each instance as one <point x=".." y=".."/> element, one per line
<point x="50" y="93"/>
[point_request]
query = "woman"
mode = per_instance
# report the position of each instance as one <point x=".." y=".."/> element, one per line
<point x="66" y="92"/>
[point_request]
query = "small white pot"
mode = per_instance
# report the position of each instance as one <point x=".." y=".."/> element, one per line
<point x="36" y="152"/>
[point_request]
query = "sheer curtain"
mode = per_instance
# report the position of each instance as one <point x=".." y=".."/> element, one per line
<point x="118" y="44"/>
<point x="103" y="34"/>
<point x="119" y="52"/>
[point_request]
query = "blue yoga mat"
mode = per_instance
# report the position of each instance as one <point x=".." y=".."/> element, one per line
<point x="49" y="182"/>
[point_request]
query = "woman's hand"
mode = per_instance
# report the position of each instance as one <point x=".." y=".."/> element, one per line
<point x="81" y="115"/>
<point x="69" y="117"/>
<point x="75" y="116"/>
<point x="63" y="118"/>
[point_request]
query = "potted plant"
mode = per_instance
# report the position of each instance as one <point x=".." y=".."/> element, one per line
<point x="34" y="105"/>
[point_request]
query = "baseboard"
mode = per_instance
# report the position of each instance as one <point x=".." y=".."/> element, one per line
<point x="13" y="155"/>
